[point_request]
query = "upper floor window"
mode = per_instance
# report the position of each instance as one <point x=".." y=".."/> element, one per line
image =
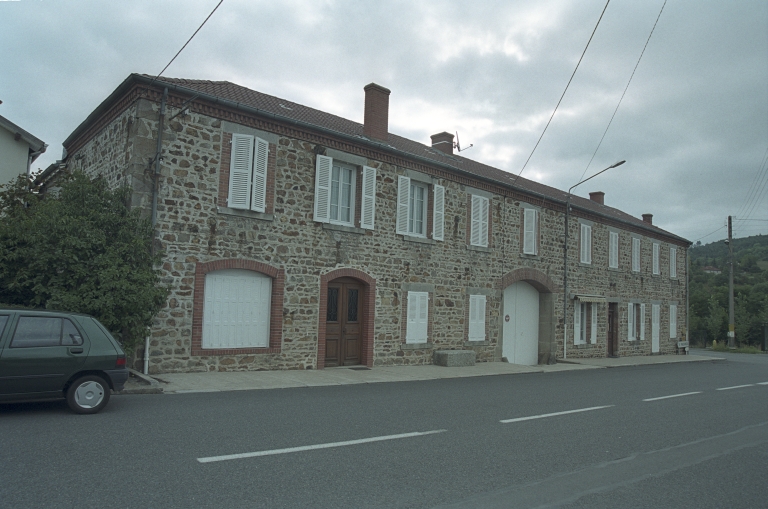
<point x="530" y="232"/>
<point x="656" y="265"/>
<point x="248" y="173"/>
<point x="413" y="202"/>
<point x="335" y="193"/>
<point x="635" y="255"/>
<point x="479" y="224"/>
<point x="586" y="244"/>
<point x="672" y="262"/>
<point x="613" y="250"/>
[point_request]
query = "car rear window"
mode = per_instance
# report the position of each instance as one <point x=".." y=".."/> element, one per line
<point x="37" y="331"/>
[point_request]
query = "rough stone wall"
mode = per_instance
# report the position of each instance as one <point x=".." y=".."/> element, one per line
<point x="192" y="229"/>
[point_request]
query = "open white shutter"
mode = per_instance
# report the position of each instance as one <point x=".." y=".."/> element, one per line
<point x="403" y="201"/>
<point x="613" y="250"/>
<point x="672" y="262"/>
<point x="368" y="205"/>
<point x="586" y="243"/>
<point x="240" y="165"/>
<point x="593" y="334"/>
<point x="477" y="317"/>
<point x="438" y="215"/>
<point x="642" y="322"/>
<point x="529" y="231"/>
<point x="655" y="321"/>
<point x="323" y="188"/>
<point x="576" y="322"/>
<point x="479" y="229"/>
<point x="655" y="258"/>
<point x="484" y="222"/>
<point x="259" y="192"/>
<point x="630" y="322"/>
<point x="672" y="321"/>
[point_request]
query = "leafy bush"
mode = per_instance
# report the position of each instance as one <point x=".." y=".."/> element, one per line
<point x="81" y="250"/>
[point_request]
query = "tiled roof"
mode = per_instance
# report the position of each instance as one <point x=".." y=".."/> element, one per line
<point x="291" y="110"/>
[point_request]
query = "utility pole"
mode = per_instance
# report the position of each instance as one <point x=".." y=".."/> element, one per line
<point x="731" y="321"/>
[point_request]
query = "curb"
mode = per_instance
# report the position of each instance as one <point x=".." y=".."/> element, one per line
<point x="139" y="383"/>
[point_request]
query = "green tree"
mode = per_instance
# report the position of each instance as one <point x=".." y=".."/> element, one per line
<point x="82" y="250"/>
<point x="717" y="319"/>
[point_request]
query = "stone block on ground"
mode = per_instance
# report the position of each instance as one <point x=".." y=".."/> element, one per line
<point x="454" y="358"/>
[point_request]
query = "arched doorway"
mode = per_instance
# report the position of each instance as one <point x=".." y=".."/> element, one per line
<point x="520" y="342"/>
<point x="346" y="319"/>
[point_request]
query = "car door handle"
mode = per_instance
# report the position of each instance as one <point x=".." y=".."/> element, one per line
<point x="76" y="350"/>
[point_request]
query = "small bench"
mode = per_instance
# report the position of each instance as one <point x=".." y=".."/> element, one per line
<point x="454" y="358"/>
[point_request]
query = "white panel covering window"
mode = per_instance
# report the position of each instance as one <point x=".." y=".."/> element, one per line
<point x="479" y="228"/>
<point x="418" y="315"/>
<point x="642" y="322"/>
<point x="530" y="240"/>
<point x="656" y="265"/>
<point x="672" y="321"/>
<point x="586" y="244"/>
<point x="248" y="173"/>
<point x="236" y="310"/>
<point x="672" y="262"/>
<point x="631" y="322"/>
<point x="438" y="213"/>
<point x="477" y="317"/>
<point x="635" y="255"/>
<point x="613" y="250"/>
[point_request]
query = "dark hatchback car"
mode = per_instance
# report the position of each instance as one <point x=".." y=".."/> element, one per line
<point x="50" y="355"/>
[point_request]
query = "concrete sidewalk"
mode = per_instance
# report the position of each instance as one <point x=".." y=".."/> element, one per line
<point x="179" y="383"/>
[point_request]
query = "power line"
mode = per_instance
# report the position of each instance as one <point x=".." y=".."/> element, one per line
<point x="625" y="91"/>
<point x="566" y="88"/>
<point x="708" y="234"/>
<point x="188" y="41"/>
<point x="755" y="183"/>
<point x="758" y="196"/>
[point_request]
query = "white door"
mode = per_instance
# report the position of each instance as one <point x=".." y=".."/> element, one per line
<point x="520" y="342"/>
<point x="655" y="324"/>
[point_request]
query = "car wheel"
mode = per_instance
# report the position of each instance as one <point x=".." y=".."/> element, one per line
<point x="88" y="394"/>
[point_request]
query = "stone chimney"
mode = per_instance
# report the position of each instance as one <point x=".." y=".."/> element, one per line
<point x="443" y="142"/>
<point x="376" y="118"/>
<point x="648" y="218"/>
<point x="597" y="197"/>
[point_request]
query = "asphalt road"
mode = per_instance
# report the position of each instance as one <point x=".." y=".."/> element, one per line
<point x="481" y="442"/>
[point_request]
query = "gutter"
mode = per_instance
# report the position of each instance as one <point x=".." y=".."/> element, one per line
<point x="136" y="78"/>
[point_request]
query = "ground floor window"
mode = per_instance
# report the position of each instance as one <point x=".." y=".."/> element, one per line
<point x="236" y="311"/>
<point x="417" y="320"/>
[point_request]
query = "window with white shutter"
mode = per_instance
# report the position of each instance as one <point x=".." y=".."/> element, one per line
<point x="479" y="224"/>
<point x="248" y="173"/>
<point x="642" y="322"/>
<point x="477" y="318"/>
<point x="631" y="322"/>
<point x="672" y="321"/>
<point x="672" y="262"/>
<point x="635" y="255"/>
<point x="656" y="249"/>
<point x="417" y="320"/>
<point x="403" y="200"/>
<point x="323" y="169"/>
<point x="579" y="323"/>
<point x="586" y="244"/>
<point x="368" y="204"/>
<point x="593" y="324"/>
<point x="529" y="232"/>
<point x="655" y="323"/>
<point x="438" y="213"/>
<point x="613" y="250"/>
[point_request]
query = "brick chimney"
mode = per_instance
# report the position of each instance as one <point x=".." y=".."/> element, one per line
<point x="376" y="118"/>
<point x="598" y="197"/>
<point x="443" y="142"/>
<point x="648" y="218"/>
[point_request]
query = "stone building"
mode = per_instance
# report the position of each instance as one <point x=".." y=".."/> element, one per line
<point x="296" y="239"/>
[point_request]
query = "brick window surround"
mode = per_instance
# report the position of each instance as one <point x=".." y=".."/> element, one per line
<point x="369" y="313"/>
<point x="275" y="315"/>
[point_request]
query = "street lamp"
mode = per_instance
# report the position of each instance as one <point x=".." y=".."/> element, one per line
<point x="565" y="259"/>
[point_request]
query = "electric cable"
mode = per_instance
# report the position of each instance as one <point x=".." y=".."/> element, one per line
<point x="566" y="88"/>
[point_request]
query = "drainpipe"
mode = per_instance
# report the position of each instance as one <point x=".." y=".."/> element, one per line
<point x="155" y="184"/>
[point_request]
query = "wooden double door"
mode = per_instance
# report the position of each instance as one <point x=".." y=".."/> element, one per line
<point x="344" y="323"/>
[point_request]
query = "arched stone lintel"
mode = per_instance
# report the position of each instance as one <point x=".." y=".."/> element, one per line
<point x="534" y="277"/>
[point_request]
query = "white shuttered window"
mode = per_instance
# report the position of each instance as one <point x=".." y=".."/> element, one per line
<point x="635" y="255"/>
<point x="672" y="262"/>
<point x="655" y="322"/>
<point x="593" y="324"/>
<point x="236" y="309"/>
<point x="656" y="265"/>
<point x="479" y="230"/>
<point x="613" y="250"/>
<point x="248" y="173"/>
<point x="323" y="169"/>
<point x="477" y="318"/>
<point x="368" y="205"/>
<point x="438" y="213"/>
<point x="672" y="321"/>
<point x="529" y="232"/>
<point x="642" y="322"/>
<point x="631" y="322"/>
<point x="418" y="315"/>
<point x="586" y="243"/>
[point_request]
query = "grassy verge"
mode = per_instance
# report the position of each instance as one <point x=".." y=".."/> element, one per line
<point x="723" y="347"/>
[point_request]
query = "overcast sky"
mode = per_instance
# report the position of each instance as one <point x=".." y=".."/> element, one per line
<point x="693" y="125"/>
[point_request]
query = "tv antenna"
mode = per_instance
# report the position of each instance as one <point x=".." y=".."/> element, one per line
<point x="457" y="145"/>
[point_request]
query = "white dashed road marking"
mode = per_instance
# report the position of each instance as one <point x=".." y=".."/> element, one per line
<point x="734" y="387"/>
<point x="673" y="396"/>
<point x="542" y="416"/>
